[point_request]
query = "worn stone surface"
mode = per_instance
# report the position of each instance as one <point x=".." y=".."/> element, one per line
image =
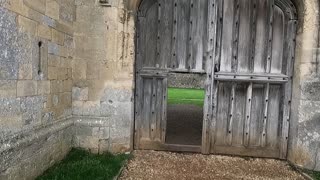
<point x="180" y="80"/>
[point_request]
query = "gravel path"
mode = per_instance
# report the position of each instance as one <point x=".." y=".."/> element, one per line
<point x="152" y="165"/>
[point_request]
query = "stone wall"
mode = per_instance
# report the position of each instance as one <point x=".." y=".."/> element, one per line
<point x="103" y="75"/>
<point x="36" y="54"/>
<point x="187" y="80"/>
<point x="304" y="144"/>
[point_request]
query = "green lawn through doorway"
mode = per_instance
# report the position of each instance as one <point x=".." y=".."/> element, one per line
<point x="186" y="96"/>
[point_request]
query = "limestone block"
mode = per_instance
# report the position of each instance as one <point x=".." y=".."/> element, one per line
<point x="43" y="87"/>
<point x="17" y="6"/>
<point x="31" y="108"/>
<point x="53" y="60"/>
<point x="83" y="130"/>
<point x="65" y="99"/>
<point x="44" y="32"/>
<point x="62" y="73"/>
<point x="53" y="48"/>
<point x="93" y="69"/>
<point x="57" y="37"/>
<point x="25" y="71"/>
<point x="104" y="145"/>
<point x="101" y="132"/>
<point x="67" y="86"/>
<point x="26" y="88"/>
<point x="8" y="88"/>
<point x="49" y="21"/>
<point x="91" y="108"/>
<point x="27" y="25"/>
<point x="79" y="69"/>
<point x="56" y="86"/>
<point x="38" y="5"/>
<point x="80" y="94"/>
<point x="52" y="9"/>
<point x="52" y="73"/>
<point x="77" y="107"/>
<point x="11" y="123"/>
<point x="89" y="142"/>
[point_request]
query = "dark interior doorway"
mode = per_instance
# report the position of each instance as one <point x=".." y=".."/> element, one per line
<point x="185" y="109"/>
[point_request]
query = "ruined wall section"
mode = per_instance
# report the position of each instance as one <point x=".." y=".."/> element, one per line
<point x="103" y="76"/>
<point x="304" y="146"/>
<point x="35" y="85"/>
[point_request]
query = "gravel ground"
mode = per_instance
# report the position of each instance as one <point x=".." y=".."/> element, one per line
<point x="153" y="165"/>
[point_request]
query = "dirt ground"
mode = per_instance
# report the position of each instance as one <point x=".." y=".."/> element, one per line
<point x="184" y="124"/>
<point x="153" y="165"/>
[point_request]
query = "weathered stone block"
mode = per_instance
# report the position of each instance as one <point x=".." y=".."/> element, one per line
<point x="26" y="88"/>
<point x="8" y="88"/>
<point x="27" y="25"/>
<point x="89" y="142"/>
<point x="53" y="60"/>
<point x="25" y="71"/>
<point x="53" y="48"/>
<point x="104" y="145"/>
<point x="80" y="94"/>
<point x="44" y="32"/>
<point x="52" y="73"/>
<point x="52" y="9"/>
<point x="79" y="69"/>
<point x="38" y="5"/>
<point x="62" y="73"/>
<point x="83" y="130"/>
<point x="57" y="37"/>
<point x="43" y="87"/>
<point x="91" y="108"/>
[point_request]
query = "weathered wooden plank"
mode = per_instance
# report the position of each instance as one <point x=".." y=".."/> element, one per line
<point x="235" y="36"/>
<point x="270" y="37"/>
<point x="239" y="115"/>
<point x="262" y="35"/>
<point x="198" y="34"/>
<point x="245" y="36"/>
<point x="151" y="39"/>
<point x="164" y="109"/>
<point x="248" y="115"/>
<point x="159" y="109"/>
<point x="278" y="41"/>
<point x="165" y="33"/>
<point x="256" y="116"/>
<point x="273" y="121"/>
<point x="192" y="24"/>
<point x="210" y="83"/>
<point x="146" y="109"/>
<point x="224" y="93"/>
<point x="153" y="120"/>
<point x="231" y="113"/>
<point x="253" y="31"/>
<point x="227" y="36"/>
<point x="289" y="58"/>
<point x="265" y="117"/>
<point x="173" y="64"/>
<point x="183" y="24"/>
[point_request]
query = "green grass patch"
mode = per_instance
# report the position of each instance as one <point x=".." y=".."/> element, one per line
<point x="314" y="174"/>
<point x="83" y="165"/>
<point x="186" y="96"/>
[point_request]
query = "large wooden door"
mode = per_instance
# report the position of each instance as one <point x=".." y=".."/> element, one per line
<point x="251" y="89"/>
<point x="246" y="49"/>
<point x="171" y="37"/>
